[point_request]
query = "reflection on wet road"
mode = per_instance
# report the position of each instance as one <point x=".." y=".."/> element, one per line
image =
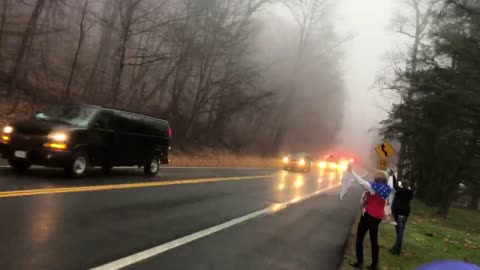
<point x="124" y="213"/>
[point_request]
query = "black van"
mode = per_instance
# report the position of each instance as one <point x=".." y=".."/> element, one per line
<point x="75" y="137"/>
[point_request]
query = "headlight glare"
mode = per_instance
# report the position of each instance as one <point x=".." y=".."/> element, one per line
<point x="8" y="129"/>
<point x="58" y="136"/>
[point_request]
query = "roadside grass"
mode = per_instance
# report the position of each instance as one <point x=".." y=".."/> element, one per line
<point x="427" y="238"/>
<point x="25" y="109"/>
<point x="216" y="158"/>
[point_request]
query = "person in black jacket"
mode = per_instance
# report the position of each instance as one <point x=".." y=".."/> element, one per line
<point x="400" y="210"/>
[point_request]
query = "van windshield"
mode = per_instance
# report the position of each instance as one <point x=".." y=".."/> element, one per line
<point x="71" y="115"/>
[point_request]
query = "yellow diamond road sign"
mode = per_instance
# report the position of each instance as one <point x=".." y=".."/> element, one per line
<point x="385" y="150"/>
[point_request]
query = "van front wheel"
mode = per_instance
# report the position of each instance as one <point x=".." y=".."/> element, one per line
<point x="152" y="167"/>
<point x="19" y="165"/>
<point x="78" y="166"/>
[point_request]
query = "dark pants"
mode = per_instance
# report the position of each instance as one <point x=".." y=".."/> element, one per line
<point x="367" y="223"/>
<point x="401" y="221"/>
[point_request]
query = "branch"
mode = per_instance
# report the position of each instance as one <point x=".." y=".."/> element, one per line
<point x="148" y="13"/>
<point x="152" y="61"/>
<point x="152" y="27"/>
<point x="405" y="33"/>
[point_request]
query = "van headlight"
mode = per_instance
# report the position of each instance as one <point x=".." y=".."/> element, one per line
<point x="57" y="140"/>
<point x="58" y="136"/>
<point x="7" y="129"/>
<point x="301" y="162"/>
<point x="286" y="160"/>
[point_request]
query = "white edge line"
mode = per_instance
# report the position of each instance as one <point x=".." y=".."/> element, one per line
<point x="142" y="255"/>
<point x="126" y="261"/>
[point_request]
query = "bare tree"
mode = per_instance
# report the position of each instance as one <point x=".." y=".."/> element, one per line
<point x="26" y="41"/>
<point x="132" y="13"/>
<point x="3" y="19"/>
<point x="217" y="54"/>
<point x="309" y="15"/>
<point x="127" y="10"/>
<point x="193" y="62"/>
<point x="83" y="29"/>
<point x="97" y="77"/>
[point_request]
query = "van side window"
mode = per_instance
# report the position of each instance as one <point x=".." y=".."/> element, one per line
<point x="129" y="123"/>
<point x="102" y="120"/>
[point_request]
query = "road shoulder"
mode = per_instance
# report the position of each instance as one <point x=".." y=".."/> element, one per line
<point x="309" y="235"/>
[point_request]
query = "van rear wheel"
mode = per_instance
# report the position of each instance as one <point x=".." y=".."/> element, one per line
<point x="152" y="167"/>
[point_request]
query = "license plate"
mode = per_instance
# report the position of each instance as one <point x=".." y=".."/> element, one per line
<point x="20" y="154"/>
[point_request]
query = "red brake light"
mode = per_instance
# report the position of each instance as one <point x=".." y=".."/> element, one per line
<point x="169" y="133"/>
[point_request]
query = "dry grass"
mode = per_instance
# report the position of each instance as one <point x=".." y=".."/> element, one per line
<point x="24" y="110"/>
<point x="215" y="158"/>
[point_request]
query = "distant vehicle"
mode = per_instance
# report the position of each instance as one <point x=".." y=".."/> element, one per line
<point x="75" y="137"/>
<point x="331" y="163"/>
<point x="299" y="162"/>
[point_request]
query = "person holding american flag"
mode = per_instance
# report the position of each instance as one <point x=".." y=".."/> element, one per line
<point x="374" y="199"/>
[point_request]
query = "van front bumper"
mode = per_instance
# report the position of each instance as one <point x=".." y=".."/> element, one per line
<point x="38" y="156"/>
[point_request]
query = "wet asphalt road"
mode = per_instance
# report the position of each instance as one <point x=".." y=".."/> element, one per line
<point x="91" y="227"/>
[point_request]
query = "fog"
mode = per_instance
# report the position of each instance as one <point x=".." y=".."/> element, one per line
<point x="216" y="68"/>
<point x="365" y="57"/>
<point x="365" y="26"/>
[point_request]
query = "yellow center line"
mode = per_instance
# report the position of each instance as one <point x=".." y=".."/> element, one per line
<point x="32" y="192"/>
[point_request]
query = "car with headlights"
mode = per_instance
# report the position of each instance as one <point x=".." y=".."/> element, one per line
<point x="75" y="137"/>
<point x="331" y="163"/>
<point x="298" y="162"/>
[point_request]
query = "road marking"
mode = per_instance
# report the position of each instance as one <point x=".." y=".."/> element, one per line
<point x="143" y="255"/>
<point x="165" y="167"/>
<point x="32" y="192"/>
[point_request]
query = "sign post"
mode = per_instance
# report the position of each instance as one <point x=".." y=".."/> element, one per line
<point x="382" y="164"/>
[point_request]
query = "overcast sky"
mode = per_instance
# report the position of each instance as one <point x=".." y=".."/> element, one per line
<point x="369" y="21"/>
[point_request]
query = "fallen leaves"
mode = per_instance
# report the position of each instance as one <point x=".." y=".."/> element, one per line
<point x="469" y="244"/>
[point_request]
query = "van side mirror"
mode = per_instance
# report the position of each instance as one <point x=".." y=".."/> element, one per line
<point x="39" y="115"/>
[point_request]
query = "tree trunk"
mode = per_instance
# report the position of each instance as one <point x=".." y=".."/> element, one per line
<point x="98" y="72"/>
<point x="474" y="203"/>
<point x="26" y="38"/>
<point x="119" y="73"/>
<point x="77" y="50"/>
<point x="3" y="19"/>
<point x="125" y="36"/>
<point x="445" y="204"/>
<point x="420" y="25"/>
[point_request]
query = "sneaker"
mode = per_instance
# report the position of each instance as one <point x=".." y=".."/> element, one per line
<point x="394" y="251"/>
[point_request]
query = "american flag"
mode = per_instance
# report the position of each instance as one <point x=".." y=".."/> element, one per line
<point x="381" y="189"/>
